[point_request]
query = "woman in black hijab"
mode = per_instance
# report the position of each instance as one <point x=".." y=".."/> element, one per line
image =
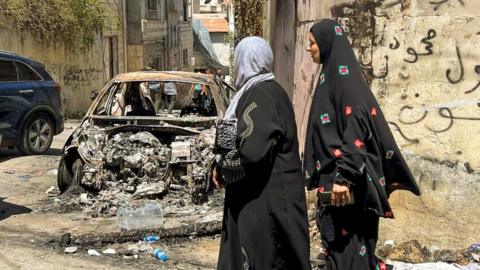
<point x="265" y="222"/>
<point x="350" y="152"/>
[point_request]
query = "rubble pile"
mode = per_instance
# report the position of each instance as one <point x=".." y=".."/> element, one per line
<point x="132" y="169"/>
<point x="128" y="160"/>
<point x="133" y="166"/>
<point x="414" y="252"/>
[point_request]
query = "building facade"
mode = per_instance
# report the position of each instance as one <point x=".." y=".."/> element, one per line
<point x="216" y="16"/>
<point x="159" y="34"/>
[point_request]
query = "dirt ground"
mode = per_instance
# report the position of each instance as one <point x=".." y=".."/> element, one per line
<point x="26" y="232"/>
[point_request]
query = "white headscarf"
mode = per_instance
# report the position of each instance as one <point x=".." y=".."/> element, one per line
<point x="253" y="64"/>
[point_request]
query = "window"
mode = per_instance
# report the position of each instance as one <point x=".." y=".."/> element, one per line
<point x="185" y="57"/>
<point x="7" y="71"/>
<point x="152" y="4"/>
<point x="102" y="107"/>
<point x="26" y="74"/>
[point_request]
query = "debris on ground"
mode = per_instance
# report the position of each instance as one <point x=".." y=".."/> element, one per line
<point x="448" y="256"/>
<point x="151" y="239"/>
<point x="432" y="266"/>
<point x="24" y="177"/>
<point x="70" y="250"/>
<point x="39" y="173"/>
<point x="9" y="171"/>
<point x="316" y="248"/>
<point x="140" y="247"/>
<point x="53" y="172"/>
<point x="109" y="251"/>
<point x="473" y="253"/>
<point x="52" y="191"/>
<point x="83" y="198"/>
<point x="160" y="254"/>
<point x="64" y="240"/>
<point x="413" y="252"/>
<point x="93" y="252"/>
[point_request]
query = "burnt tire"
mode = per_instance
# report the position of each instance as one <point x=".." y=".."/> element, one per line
<point x="63" y="176"/>
<point x="69" y="178"/>
<point x="36" y="135"/>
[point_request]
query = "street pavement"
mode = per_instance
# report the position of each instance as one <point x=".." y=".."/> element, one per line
<point x="25" y="230"/>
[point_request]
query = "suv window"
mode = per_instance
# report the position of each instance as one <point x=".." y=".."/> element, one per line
<point x="25" y="73"/>
<point x="8" y="72"/>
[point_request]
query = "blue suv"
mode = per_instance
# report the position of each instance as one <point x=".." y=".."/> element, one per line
<point x="30" y="105"/>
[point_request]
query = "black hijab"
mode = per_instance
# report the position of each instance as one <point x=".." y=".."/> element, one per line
<point x="348" y="139"/>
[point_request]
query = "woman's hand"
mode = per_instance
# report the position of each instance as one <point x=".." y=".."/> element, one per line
<point x="340" y="194"/>
<point x="217" y="179"/>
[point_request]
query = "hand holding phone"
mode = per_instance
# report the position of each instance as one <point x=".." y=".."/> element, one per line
<point x="340" y="194"/>
<point x="325" y="198"/>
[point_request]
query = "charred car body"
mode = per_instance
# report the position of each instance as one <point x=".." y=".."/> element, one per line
<point x="125" y="148"/>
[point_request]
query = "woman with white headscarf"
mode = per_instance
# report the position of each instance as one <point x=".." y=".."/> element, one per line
<point x="265" y="218"/>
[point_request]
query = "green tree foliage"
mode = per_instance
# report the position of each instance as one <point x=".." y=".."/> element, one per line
<point x="75" y="22"/>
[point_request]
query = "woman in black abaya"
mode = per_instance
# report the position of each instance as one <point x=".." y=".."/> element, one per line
<point x="349" y="151"/>
<point x="265" y="218"/>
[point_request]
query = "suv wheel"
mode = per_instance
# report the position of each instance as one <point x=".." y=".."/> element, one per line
<point x="37" y="135"/>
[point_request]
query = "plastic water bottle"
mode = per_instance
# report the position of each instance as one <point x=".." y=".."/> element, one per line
<point x="159" y="254"/>
<point x="151" y="216"/>
<point x="148" y="216"/>
<point x="151" y="238"/>
<point x="126" y="218"/>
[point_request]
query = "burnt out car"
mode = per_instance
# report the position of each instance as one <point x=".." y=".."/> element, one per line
<point x="128" y="147"/>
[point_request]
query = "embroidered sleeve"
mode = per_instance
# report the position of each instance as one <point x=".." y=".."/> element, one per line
<point x="258" y="131"/>
<point x="231" y="167"/>
<point x="247" y="119"/>
<point x="259" y="127"/>
<point x="351" y="156"/>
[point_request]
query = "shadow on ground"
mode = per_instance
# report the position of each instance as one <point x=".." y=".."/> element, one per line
<point x="9" y="209"/>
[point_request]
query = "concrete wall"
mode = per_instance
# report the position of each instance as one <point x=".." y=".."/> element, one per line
<point x="180" y="36"/>
<point x="282" y="39"/>
<point x="432" y="97"/>
<point x="78" y="73"/>
<point x="432" y="102"/>
<point x="135" y="58"/>
<point x="186" y="43"/>
<point x="154" y="42"/>
<point x="135" y="13"/>
<point x="425" y="73"/>
<point x="114" y="29"/>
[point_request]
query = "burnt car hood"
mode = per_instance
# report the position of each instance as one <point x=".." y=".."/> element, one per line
<point x="95" y="128"/>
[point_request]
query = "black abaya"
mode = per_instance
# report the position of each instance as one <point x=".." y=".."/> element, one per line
<point x="349" y="141"/>
<point x="265" y="218"/>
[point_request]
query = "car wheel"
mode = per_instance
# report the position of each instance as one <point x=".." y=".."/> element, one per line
<point x="64" y="177"/>
<point x="68" y="179"/>
<point x="37" y="135"/>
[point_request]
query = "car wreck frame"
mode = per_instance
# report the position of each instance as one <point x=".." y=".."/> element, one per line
<point x="74" y="158"/>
